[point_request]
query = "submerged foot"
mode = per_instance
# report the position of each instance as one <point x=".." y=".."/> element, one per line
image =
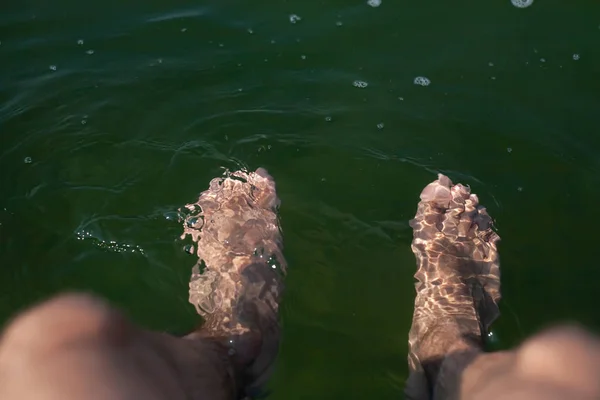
<point x="458" y="283"/>
<point x="237" y="282"/>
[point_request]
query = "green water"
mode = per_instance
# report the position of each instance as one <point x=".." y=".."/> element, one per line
<point x="127" y="109"/>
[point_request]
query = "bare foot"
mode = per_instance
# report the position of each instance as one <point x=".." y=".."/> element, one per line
<point x="458" y="284"/>
<point x="238" y="280"/>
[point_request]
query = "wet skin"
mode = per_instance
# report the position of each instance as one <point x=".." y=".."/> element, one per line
<point x="76" y="346"/>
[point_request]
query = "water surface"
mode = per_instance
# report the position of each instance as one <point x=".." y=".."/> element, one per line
<point x="115" y="114"/>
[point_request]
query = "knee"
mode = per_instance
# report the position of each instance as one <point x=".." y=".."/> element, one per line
<point x="61" y="321"/>
<point x="566" y="356"/>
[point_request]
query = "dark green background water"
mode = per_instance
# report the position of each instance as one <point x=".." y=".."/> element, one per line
<point x="128" y="108"/>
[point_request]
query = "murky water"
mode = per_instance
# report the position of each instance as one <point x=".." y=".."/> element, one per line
<point x="115" y="114"/>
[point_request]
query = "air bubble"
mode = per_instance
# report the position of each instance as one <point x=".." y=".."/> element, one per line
<point x="27" y="160"/>
<point x="80" y="42"/>
<point x="303" y="57"/>
<point x="111" y="246"/>
<point x="250" y="31"/>
<point x="193" y="223"/>
<point x="89" y="52"/>
<point x="509" y="149"/>
<point x="380" y="125"/>
<point x="422" y="81"/>
<point x="575" y="57"/>
<point x="328" y="119"/>
<point x="183" y="30"/>
<point x="295" y="18"/>
<point x="53" y="67"/>
<point x="339" y="23"/>
<point x="374" y="3"/>
<point x="521" y="3"/>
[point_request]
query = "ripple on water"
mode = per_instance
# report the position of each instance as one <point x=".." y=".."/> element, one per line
<point x="178" y="15"/>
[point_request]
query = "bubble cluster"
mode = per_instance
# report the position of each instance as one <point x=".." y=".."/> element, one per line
<point x="380" y="125"/>
<point x="295" y="18"/>
<point x="27" y="160"/>
<point x="521" y="3"/>
<point x="575" y="57"/>
<point x="360" y="84"/>
<point x="110" y="246"/>
<point x="374" y="3"/>
<point x="80" y="42"/>
<point x="52" y="67"/>
<point x="422" y="81"/>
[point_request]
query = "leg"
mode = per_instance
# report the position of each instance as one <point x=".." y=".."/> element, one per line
<point x="458" y="286"/>
<point x="457" y="294"/>
<point x="76" y="346"/>
<point x="237" y="283"/>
